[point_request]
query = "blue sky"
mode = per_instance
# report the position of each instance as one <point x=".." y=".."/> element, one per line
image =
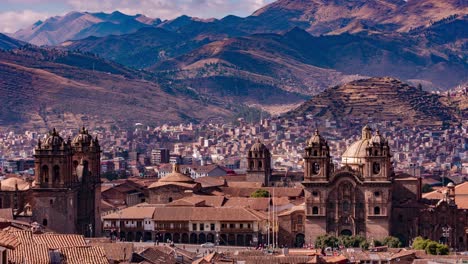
<point x="16" y="14"/>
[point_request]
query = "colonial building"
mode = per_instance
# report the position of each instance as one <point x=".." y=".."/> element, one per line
<point x="354" y="199"/>
<point x="172" y="187"/>
<point x="66" y="192"/>
<point x="364" y="196"/>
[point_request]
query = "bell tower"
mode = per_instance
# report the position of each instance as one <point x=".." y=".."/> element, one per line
<point x="86" y="164"/>
<point x="259" y="164"/>
<point x="55" y="190"/>
<point x="377" y="165"/>
<point x="317" y="160"/>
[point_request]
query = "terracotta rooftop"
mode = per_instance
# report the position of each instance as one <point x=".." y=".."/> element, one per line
<point x="133" y="212"/>
<point x="279" y="191"/>
<point x="204" y="214"/>
<point x="57" y="241"/>
<point x="461" y="195"/>
<point x="119" y="252"/>
<point x="84" y="255"/>
<point x="8" y="240"/>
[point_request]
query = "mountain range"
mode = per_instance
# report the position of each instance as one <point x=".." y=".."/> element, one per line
<point x="79" y="25"/>
<point x="277" y="58"/>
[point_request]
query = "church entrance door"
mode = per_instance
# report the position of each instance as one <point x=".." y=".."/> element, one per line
<point x="300" y="238"/>
<point x="346" y="232"/>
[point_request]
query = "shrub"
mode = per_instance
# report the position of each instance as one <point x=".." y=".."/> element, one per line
<point x="260" y="193"/>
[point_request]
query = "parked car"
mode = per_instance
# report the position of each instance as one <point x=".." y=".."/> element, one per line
<point x="208" y="245"/>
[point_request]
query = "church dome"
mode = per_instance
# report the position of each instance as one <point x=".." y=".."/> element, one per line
<point x="53" y="140"/>
<point x="176" y="176"/>
<point x="83" y="138"/>
<point x="378" y="139"/>
<point x="258" y="146"/>
<point x="356" y="152"/>
<point x="316" y="139"/>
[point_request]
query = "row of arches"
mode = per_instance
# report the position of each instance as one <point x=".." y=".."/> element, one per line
<point x="53" y="175"/>
<point x="186" y="238"/>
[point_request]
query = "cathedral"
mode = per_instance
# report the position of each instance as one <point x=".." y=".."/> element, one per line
<point x="66" y="193"/>
<point x="354" y="199"/>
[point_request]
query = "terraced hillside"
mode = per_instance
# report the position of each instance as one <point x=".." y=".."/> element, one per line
<point x="378" y="99"/>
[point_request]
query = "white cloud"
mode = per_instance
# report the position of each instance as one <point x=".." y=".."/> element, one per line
<point x="11" y="21"/>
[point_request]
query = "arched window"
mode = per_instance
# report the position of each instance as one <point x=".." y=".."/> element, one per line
<point x="44" y="222"/>
<point x="251" y="165"/>
<point x="45" y="173"/>
<point x="315" y="210"/>
<point x="315" y="153"/>
<point x="376" y="210"/>
<point x="260" y="165"/>
<point x="56" y="174"/>
<point x="376" y="153"/>
<point x="315" y="168"/>
<point x="170" y="199"/>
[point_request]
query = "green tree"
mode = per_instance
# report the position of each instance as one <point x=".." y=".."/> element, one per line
<point x="420" y="243"/>
<point x="442" y="249"/>
<point x="431" y="247"/>
<point x="324" y="241"/>
<point x="392" y="242"/>
<point x="260" y="193"/>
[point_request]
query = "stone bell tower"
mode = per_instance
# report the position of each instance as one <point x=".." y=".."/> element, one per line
<point x="259" y="164"/>
<point x="86" y="164"/>
<point x="56" y="188"/>
<point x="317" y="160"/>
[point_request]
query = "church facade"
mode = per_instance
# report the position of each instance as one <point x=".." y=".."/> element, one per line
<point x="66" y="193"/>
<point x="354" y="199"/>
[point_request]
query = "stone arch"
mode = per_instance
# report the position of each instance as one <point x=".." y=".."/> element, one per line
<point x="147" y="236"/>
<point x="210" y="238"/>
<point x="223" y="239"/>
<point x="185" y="238"/>
<point x="249" y="239"/>
<point x="138" y="236"/>
<point x="315" y="210"/>
<point x="130" y="236"/>
<point x="377" y="210"/>
<point x="45" y="174"/>
<point x="201" y="238"/>
<point x="56" y="174"/>
<point x="346" y="232"/>
<point x="167" y="237"/>
<point x="193" y="238"/>
<point x="299" y="240"/>
<point x="240" y="240"/>
<point x="176" y="238"/>
<point x="231" y="240"/>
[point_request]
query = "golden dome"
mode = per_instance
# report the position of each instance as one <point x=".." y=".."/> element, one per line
<point x="176" y="176"/>
<point x="356" y="152"/>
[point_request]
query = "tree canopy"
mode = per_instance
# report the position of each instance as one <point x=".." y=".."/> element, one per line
<point x="260" y="193"/>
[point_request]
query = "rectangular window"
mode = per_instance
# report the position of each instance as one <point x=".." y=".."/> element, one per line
<point x="232" y="226"/>
<point x="202" y="227"/>
<point x="248" y="226"/>
<point x="223" y="225"/>
<point x="194" y="227"/>
<point x="241" y="226"/>
<point x="212" y="227"/>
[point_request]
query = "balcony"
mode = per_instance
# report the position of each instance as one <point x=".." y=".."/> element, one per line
<point x="236" y="230"/>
